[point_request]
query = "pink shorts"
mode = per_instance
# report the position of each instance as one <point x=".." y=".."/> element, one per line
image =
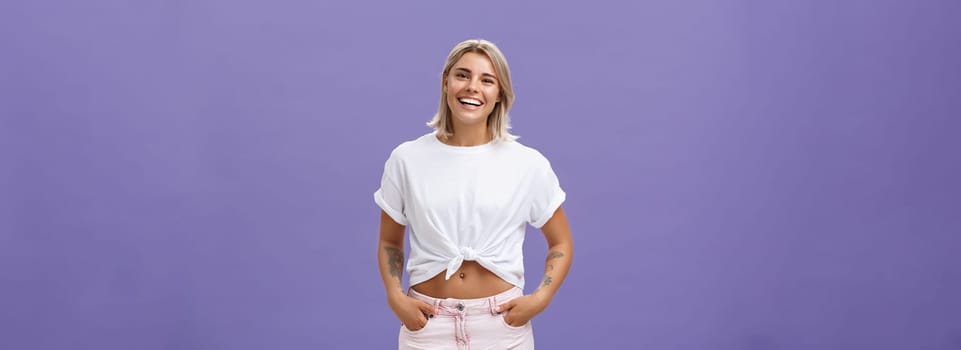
<point x="461" y="324"/>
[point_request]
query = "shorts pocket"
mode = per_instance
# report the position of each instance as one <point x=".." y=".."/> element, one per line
<point x="503" y="321"/>
<point x="404" y="328"/>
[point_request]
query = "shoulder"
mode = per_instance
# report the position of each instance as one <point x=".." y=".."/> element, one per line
<point x="527" y="154"/>
<point x="411" y="147"/>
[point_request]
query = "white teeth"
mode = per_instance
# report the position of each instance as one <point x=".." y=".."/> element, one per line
<point x="470" y="101"/>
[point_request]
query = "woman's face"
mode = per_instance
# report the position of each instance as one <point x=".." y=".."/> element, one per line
<point x="472" y="89"/>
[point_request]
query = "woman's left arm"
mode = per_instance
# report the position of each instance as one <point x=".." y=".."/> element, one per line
<point x="560" y="251"/>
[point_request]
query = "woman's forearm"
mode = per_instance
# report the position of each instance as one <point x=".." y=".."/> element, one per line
<point x="560" y="253"/>
<point x="390" y="258"/>
<point x="556" y="266"/>
<point x="390" y="254"/>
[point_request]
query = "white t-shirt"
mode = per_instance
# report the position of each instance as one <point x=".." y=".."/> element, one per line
<point x="467" y="203"/>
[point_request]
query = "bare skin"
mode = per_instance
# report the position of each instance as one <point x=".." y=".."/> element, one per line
<point x="477" y="281"/>
<point x="473" y="76"/>
<point x="560" y="251"/>
<point x="411" y="312"/>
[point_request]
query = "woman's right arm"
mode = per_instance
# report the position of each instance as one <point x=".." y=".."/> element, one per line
<point x="390" y="256"/>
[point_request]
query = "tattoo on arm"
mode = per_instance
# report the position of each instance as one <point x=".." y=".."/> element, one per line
<point x="549" y="267"/>
<point x="554" y="255"/>
<point x="547" y="281"/>
<point x="395" y="259"/>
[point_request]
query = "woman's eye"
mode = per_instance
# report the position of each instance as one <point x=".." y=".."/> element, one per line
<point x="461" y="75"/>
<point x="488" y="81"/>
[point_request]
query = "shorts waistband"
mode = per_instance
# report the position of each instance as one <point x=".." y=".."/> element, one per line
<point x="466" y="307"/>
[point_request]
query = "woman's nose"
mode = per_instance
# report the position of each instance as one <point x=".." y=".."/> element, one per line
<point x="472" y="85"/>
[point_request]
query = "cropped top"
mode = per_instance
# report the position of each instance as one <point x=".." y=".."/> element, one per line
<point x="467" y="204"/>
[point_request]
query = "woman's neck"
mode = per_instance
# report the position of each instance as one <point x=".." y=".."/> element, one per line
<point x="469" y="136"/>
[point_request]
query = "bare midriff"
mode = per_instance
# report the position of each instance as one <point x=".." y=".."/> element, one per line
<point x="470" y="281"/>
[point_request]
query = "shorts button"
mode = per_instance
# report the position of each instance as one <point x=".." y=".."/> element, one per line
<point x="460" y="306"/>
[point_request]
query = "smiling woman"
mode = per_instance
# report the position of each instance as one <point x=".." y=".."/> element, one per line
<point x="467" y="190"/>
<point x="468" y="93"/>
<point x="475" y="87"/>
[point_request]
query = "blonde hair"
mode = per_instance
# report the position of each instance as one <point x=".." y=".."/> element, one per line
<point x="498" y="122"/>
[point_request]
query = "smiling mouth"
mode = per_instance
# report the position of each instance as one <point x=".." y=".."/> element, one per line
<point x="470" y="102"/>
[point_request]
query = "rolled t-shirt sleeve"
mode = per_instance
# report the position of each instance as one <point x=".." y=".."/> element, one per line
<point x="390" y="195"/>
<point x="546" y="195"/>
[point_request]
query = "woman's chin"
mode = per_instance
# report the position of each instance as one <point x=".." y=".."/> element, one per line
<point x="473" y="122"/>
<point x="469" y="120"/>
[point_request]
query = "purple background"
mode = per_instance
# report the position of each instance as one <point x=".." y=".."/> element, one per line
<point x="741" y="175"/>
